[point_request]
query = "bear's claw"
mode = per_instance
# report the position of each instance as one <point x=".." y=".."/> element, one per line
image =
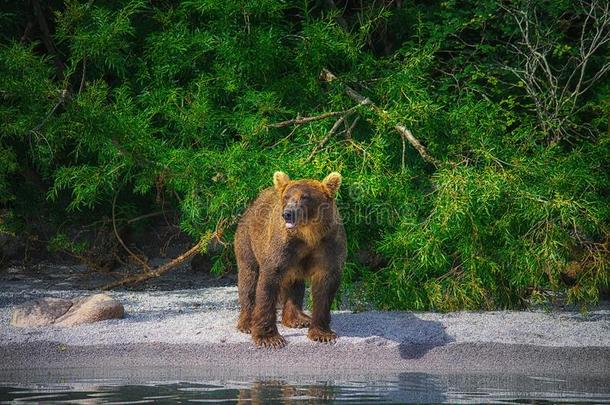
<point x="324" y="336"/>
<point x="301" y="321"/>
<point x="300" y="324"/>
<point x="276" y="341"/>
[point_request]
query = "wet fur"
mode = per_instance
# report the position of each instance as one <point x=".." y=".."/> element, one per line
<point x="274" y="261"/>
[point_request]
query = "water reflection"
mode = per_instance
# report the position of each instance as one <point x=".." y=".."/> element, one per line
<point x="403" y="388"/>
<point x="392" y="388"/>
<point x="260" y="392"/>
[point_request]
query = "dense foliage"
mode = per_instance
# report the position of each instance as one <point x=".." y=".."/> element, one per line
<point x="169" y="103"/>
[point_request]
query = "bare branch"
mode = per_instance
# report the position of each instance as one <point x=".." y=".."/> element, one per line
<point x="286" y="137"/>
<point x="82" y="79"/>
<point x="350" y="128"/>
<point x="556" y="90"/>
<point x="116" y="233"/>
<point x="141" y="217"/>
<point x="330" y="133"/>
<point x="406" y="134"/>
<point x="402" y="130"/>
<point x="304" y="120"/>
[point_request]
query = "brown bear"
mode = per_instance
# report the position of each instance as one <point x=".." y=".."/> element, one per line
<point x="290" y="233"/>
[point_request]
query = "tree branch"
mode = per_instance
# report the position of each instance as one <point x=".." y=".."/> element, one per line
<point x="328" y="76"/>
<point x="145" y="265"/>
<point x="406" y="134"/>
<point x="304" y="120"/>
<point x="164" y="268"/>
<point x="82" y="79"/>
<point x="330" y="133"/>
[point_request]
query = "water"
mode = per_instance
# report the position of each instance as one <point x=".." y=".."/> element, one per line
<point x="392" y="388"/>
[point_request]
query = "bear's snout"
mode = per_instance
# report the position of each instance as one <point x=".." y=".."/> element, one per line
<point x="290" y="216"/>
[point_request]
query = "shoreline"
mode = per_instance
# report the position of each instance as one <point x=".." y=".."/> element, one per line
<point x="242" y="360"/>
<point x="194" y="329"/>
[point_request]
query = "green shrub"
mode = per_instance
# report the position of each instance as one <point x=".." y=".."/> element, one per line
<point x="169" y="104"/>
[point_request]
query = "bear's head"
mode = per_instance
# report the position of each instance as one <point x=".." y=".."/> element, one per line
<point x="306" y="202"/>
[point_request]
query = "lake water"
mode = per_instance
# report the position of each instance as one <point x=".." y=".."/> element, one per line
<point x="391" y="388"/>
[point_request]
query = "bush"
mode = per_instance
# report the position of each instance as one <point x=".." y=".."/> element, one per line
<point x="171" y="104"/>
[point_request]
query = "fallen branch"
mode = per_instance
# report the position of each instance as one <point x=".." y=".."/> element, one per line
<point x="164" y="268"/>
<point x="328" y="76"/>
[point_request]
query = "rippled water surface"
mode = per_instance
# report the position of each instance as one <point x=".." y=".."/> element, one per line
<point x="394" y="388"/>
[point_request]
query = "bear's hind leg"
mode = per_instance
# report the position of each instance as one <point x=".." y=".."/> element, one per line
<point x="293" y="316"/>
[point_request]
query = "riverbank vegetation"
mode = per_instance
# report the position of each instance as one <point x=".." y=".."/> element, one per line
<point x="473" y="136"/>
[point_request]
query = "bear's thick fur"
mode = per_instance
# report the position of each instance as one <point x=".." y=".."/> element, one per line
<point x="290" y="233"/>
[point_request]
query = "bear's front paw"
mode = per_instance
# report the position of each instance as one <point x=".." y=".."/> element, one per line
<point x="274" y="341"/>
<point x="324" y="336"/>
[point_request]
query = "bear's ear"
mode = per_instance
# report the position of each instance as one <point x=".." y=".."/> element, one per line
<point x="332" y="183"/>
<point x="280" y="181"/>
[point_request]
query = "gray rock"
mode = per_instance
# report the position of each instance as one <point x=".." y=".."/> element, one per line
<point x="94" y="308"/>
<point x="63" y="312"/>
<point x="40" y="312"/>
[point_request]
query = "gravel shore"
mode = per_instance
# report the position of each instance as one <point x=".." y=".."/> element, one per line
<point x="196" y="328"/>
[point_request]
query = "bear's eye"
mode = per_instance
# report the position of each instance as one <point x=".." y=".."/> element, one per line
<point x="305" y="197"/>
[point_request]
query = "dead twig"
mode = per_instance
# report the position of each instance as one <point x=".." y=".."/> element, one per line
<point x="350" y="128"/>
<point x="152" y="214"/>
<point x="145" y="265"/>
<point x="26" y="33"/>
<point x="328" y="76"/>
<point x="63" y="96"/>
<point x="404" y="152"/>
<point x="330" y="133"/>
<point x="216" y="237"/>
<point x="164" y="268"/>
<point x="298" y="121"/>
<point x="304" y="120"/>
<point x="406" y="134"/>
<point x="82" y="79"/>
<point x="286" y="137"/>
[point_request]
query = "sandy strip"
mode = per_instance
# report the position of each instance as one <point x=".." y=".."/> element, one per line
<point x="195" y="329"/>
